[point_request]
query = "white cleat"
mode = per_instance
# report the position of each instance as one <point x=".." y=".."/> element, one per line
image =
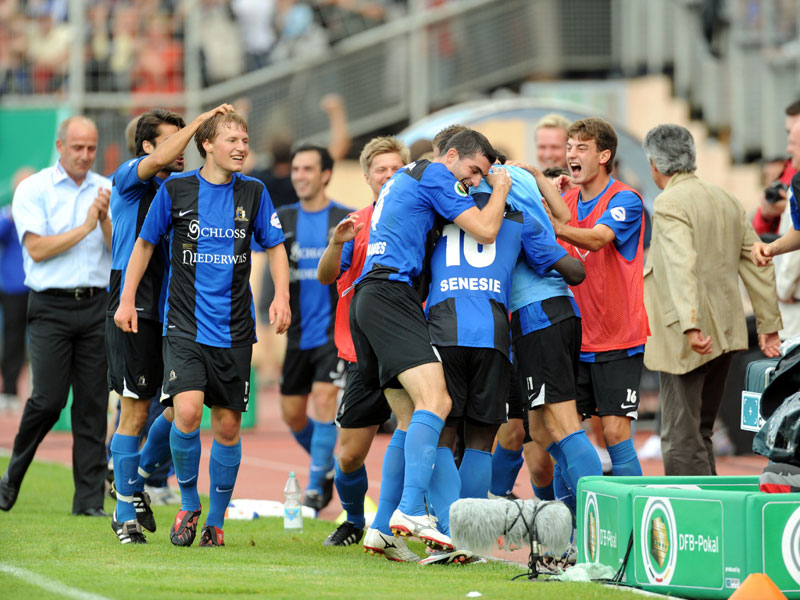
<point x="377" y="542"/>
<point x="422" y="527"/>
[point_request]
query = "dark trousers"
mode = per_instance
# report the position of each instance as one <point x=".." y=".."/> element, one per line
<point x="67" y="348"/>
<point x="15" y="308"/>
<point x="689" y="406"/>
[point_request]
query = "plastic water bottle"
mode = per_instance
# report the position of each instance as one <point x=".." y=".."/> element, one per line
<point x="292" y="509"/>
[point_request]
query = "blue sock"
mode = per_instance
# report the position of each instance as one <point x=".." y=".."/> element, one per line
<point x="476" y="473"/>
<point x="392" y="477"/>
<point x="546" y="492"/>
<point x="186" y="457"/>
<point x="323" y="442"/>
<point x="505" y="468"/>
<point x="303" y="436"/>
<point x="581" y="458"/>
<point x="223" y="466"/>
<point x="561" y="490"/>
<point x="352" y="488"/>
<point x="421" y="441"/>
<point x="445" y="487"/>
<point x="155" y="451"/>
<point x="623" y="459"/>
<point x="125" y="450"/>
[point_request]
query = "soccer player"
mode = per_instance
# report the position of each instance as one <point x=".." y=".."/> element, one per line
<point x="311" y="364"/>
<point x="467" y="307"/>
<point x="390" y="333"/>
<point x="135" y="368"/>
<point x="605" y="232"/>
<point x="551" y="141"/>
<point x="362" y="411"/>
<point x="546" y="329"/>
<point x="210" y="215"/>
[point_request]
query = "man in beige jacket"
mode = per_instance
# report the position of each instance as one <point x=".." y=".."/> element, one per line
<point x="700" y="247"/>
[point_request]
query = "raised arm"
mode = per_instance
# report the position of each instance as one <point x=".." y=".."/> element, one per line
<point x="559" y="210"/>
<point x="170" y="149"/>
<point x="329" y="265"/>
<point x="483" y="224"/>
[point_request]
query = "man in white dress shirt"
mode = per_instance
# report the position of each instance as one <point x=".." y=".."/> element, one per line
<point x="62" y="220"/>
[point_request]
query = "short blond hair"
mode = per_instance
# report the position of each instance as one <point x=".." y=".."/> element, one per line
<point x="383" y="144"/>
<point x="554" y="121"/>
<point x="210" y="128"/>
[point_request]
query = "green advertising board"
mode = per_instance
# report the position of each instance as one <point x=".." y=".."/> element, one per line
<point x="29" y="140"/>
<point x="774" y="527"/>
<point x="679" y="542"/>
<point x="693" y="537"/>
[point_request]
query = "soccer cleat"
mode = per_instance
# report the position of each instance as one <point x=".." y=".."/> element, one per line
<point x="144" y="514"/>
<point x="313" y="499"/>
<point x="456" y="557"/>
<point x="346" y="534"/>
<point x="377" y="542"/>
<point x="211" y="537"/>
<point x="422" y="527"/>
<point x="185" y="527"/>
<point x="320" y="499"/>
<point x="129" y="532"/>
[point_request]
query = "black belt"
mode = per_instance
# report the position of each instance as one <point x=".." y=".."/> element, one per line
<point x="80" y="293"/>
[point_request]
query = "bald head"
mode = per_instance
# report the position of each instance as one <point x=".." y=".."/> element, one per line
<point x="77" y="146"/>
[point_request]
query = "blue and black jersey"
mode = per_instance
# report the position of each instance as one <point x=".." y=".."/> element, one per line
<point x="404" y="214"/>
<point x="313" y="304"/>
<point x="471" y="282"/>
<point x="209" y="227"/>
<point x="538" y="300"/>
<point x="130" y="201"/>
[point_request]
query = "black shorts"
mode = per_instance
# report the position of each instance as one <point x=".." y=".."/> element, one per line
<point x="303" y="368"/>
<point x="361" y="407"/>
<point x="390" y="332"/>
<point x="514" y="408"/>
<point x="610" y="388"/>
<point x="135" y="368"/>
<point x="477" y="381"/>
<point x="548" y="363"/>
<point x="223" y="374"/>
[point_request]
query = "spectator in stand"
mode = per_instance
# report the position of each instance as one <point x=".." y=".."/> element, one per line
<point x="48" y="50"/>
<point x="124" y="41"/>
<point x="768" y="214"/>
<point x="221" y="48"/>
<point x="14" y="300"/>
<point x="255" y="21"/>
<point x="15" y="69"/>
<point x="298" y="33"/>
<point x="159" y="60"/>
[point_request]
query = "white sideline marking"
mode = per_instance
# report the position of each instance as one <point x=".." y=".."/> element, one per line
<point x="50" y="585"/>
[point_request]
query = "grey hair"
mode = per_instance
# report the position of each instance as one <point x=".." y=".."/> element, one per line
<point x="671" y="148"/>
<point x="61" y="134"/>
